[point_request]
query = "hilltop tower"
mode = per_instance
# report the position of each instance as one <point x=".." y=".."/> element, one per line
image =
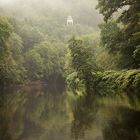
<point x="69" y="20"/>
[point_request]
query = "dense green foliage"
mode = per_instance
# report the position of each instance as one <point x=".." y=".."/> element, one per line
<point x="106" y="82"/>
<point x="8" y="68"/>
<point x="45" y="59"/>
<point x="120" y="39"/>
<point x="101" y="70"/>
<point x="112" y="82"/>
<point x="82" y="56"/>
<point x="25" y="55"/>
<point x="125" y="35"/>
<point x="36" y="46"/>
<point x="36" y="41"/>
<point x="83" y="61"/>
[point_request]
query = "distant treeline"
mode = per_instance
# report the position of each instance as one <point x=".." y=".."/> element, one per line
<point x="114" y="69"/>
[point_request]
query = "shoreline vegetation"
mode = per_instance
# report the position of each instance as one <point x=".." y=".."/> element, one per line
<point x="109" y="83"/>
<point x="70" y="69"/>
<point x="36" y="51"/>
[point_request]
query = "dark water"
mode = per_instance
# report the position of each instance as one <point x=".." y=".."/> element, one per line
<point x="50" y="113"/>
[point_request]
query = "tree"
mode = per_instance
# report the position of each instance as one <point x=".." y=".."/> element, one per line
<point x="5" y="31"/>
<point x="16" y="45"/>
<point x="110" y="36"/>
<point x="8" y="67"/>
<point x="30" y="36"/>
<point x="45" y="61"/>
<point x="83" y="61"/>
<point x="34" y="65"/>
<point x="136" y="54"/>
<point x="129" y="18"/>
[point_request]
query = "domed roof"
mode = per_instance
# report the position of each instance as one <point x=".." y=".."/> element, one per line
<point x="69" y="18"/>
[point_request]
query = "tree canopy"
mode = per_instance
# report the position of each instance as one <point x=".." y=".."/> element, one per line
<point x="128" y="20"/>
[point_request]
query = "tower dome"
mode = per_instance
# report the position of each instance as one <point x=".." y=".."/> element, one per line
<point x="69" y="20"/>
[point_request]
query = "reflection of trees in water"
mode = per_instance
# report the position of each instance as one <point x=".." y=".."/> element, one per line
<point x="9" y="104"/>
<point x="41" y="114"/>
<point x="31" y="113"/>
<point x="117" y="118"/>
<point x="84" y="114"/>
<point x="124" y="126"/>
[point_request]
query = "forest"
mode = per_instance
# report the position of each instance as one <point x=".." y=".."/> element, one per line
<point x="37" y="45"/>
<point x="34" y="42"/>
<point x="96" y="60"/>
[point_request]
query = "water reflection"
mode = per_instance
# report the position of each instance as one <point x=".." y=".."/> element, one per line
<point x="106" y="118"/>
<point x="48" y="113"/>
<point x="36" y="113"/>
<point x="84" y="113"/>
<point x="122" y="119"/>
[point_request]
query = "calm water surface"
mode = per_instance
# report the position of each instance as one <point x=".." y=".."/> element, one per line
<point x="49" y="113"/>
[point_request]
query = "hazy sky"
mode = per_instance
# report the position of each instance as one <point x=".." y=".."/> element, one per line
<point x="54" y="3"/>
<point x="82" y="10"/>
<point x="5" y="2"/>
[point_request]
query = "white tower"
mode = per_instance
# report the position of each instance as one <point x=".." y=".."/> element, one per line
<point x="69" y="20"/>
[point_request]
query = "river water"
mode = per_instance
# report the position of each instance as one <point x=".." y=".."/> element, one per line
<point x="53" y="113"/>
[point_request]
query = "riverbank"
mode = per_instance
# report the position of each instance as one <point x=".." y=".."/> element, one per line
<point x="109" y="82"/>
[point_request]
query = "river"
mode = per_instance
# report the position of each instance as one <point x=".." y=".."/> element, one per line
<point x="53" y="113"/>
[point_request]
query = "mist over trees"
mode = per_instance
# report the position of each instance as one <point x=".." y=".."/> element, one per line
<point x="83" y="11"/>
<point x="38" y="37"/>
<point x="95" y="60"/>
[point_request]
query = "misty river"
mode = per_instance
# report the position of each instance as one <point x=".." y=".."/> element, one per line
<point x="53" y="113"/>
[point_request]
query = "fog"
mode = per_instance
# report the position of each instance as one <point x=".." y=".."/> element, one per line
<point x="64" y="77"/>
<point x="83" y="11"/>
<point x="52" y="3"/>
